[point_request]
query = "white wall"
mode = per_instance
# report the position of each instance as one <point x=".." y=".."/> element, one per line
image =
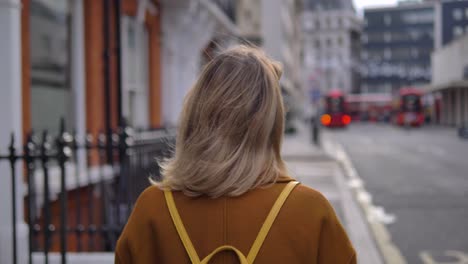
<point x="448" y="63"/>
<point x="271" y="28"/>
<point x="10" y="117"/>
<point x="339" y="70"/>
<point x="188" y="27"/>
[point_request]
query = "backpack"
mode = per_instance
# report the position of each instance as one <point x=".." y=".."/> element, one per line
<point x="242" y="258"/>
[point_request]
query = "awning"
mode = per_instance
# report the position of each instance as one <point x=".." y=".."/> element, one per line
<point x="448" y="85"/>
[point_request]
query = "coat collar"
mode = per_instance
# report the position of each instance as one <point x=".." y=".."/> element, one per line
<point x="284" y="178"/>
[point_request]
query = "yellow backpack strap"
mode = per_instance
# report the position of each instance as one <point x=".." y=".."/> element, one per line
<point x="269" y="221"/>
<point x="257" y="243"/>
<point x="239" y="254"/>
<point x="180" y="228"/>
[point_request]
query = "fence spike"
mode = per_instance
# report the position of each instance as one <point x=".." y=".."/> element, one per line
<point x="45" y="145"/>
<point x="29" y="149"/>
<point x="12" y="143"/>
<point x="89" y="140"/>
<point x="102" y="140"/>
<point x="62" y="125"/>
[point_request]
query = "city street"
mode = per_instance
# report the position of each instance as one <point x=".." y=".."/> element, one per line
<point x="419" y="176"/>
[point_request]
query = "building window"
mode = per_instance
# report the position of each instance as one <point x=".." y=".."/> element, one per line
<point x="340" y="22"/>
<point x="420" y="17"/>
<point x="457" y="14"/>
<point x="387" y="20"/>
<point x="387" y="37"/>
<point x="317" y="24"/>
<point x="365" y="38"/>
<point x="317" y="44"/>
<point x="50" y="62"/>
<point x="318" y="58"/>
<point x="308" y="24"/>
<point x="364" y="88"/>
<point x="364" y="55"/>
<point x="340" y="84"/>
<point x="457" y="31"/>
<point x="387" y="54"/>
<point x="135" y="75"/>
<point x="430" y="34"/>
<point x="466" y="13"/>
<point x="329" y="42"/>
<point x="340" y="41"/>
<point x="375" y="55"/>
<point x="47" y="42"/>
<point x="415" y="34"/>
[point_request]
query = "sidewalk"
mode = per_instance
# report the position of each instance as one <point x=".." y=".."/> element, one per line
<point x="313" y="167"/>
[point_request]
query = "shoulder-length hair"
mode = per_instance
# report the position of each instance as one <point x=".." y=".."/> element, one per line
<point x="231" y="128"/>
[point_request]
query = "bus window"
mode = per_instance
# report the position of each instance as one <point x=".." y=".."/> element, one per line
<point x="335" y="104"/>
<point x="411" y="103"/>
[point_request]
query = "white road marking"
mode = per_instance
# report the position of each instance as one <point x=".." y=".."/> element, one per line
<point x="355" y="183"/>
<point x="458" y="256"/>
<point x="377" y="213"/>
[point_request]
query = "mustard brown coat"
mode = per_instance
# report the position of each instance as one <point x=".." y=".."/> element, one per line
<point x="306" y="229"/>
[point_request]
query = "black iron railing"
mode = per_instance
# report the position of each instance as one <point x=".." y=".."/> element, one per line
<point x="80" y="192"/>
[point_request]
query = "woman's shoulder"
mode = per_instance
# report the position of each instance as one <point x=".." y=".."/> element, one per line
<point x="302" y="197"/>
<point x="152" y="198"/>
<point x="306" y="197"/>
<point x="152" y="193"/>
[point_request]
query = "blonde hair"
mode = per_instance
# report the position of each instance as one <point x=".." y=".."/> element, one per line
<point x="231" y="128"/>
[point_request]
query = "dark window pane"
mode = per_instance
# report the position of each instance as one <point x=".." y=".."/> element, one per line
<point x="51" y="96"/>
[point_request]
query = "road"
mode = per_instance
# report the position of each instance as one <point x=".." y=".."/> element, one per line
<point x="420" y="176"/>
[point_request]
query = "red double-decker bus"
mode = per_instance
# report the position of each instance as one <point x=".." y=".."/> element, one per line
<point x="372" y="107"/>
<point x="335" y="110"/>
<point x="409" y="108"/>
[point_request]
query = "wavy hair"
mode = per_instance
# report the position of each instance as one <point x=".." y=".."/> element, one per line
<point x="231" y="128"/>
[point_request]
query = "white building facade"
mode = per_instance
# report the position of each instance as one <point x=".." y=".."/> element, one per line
<point x="281" y="39"/>
<point x="188" y="28"/>
<point x="450" y="80"/>
<point x="331" y="50"/>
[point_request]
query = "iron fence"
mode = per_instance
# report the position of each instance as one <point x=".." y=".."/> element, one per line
<point x="80" y="192"/>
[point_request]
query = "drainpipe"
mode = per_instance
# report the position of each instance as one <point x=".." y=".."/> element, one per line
<point x="107" y="80"/>
<point x="118" y="50"/>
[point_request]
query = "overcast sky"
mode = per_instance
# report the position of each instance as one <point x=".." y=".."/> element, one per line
<point x="360" y="4"/>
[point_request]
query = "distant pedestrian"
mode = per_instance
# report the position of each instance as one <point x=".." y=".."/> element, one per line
<point x="226" y="184"/>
